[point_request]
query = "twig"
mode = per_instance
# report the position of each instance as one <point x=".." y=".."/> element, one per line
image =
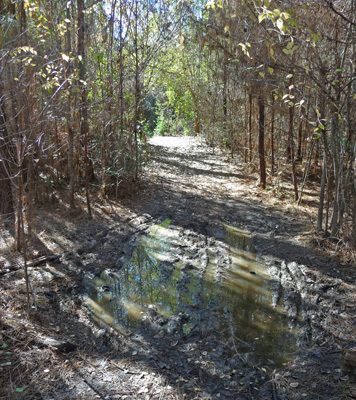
<point x="92" y="387"/>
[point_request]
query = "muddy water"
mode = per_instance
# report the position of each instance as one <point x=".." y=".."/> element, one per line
<point x="220" y="287"/>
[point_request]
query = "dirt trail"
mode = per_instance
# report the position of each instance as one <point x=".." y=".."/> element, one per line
<point x="189" y="195"/>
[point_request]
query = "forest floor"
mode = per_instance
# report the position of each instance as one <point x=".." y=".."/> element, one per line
<point x="143" y="301"/>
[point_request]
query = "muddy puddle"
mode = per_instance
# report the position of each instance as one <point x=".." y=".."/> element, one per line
<point x="181" y="284"/>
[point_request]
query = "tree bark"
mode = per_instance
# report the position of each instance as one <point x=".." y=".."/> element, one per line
<point x="291" y="146"/>
<point x="324" y="171"/>
<point x="6" y="200"/>
<point x="322" y="193"/>
<point x="250" y="127"/>
<point x="300" y="136"/>
<point x="84" y="129"/>
<point x="272" y="136"/>
<point x="137" y="91"/>
<point x="70" y="132"/>
<point x="334" y="226"/>
<point x="261" y="140"/>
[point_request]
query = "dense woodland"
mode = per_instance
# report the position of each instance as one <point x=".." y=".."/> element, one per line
<point x="84" y="83"/>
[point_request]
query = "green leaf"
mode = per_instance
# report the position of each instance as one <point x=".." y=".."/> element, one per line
<point x="4" y="346"/>
<point x="261" y="17"/>
<point x="285" y="15"/>
<point x="19" y="390"/>
<point x="293" y="22"/>
<point x="279" y="24"/>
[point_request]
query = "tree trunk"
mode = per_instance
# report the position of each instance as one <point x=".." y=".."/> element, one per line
<point x="250" y="127"/>
<point x="225" y="97"/>
<point x="322" y="193"/>
<point x="300" y="136"/>
<point x="19" y="195"/>
<point x="324" y="170"/>
<point x="272" y="136"/>
<point x="196" y="111"/>
<point x="334" y="226"/>
<point x="137" y="90"/>
<point x="84" y="130"/>
<point x="261" y="140"/>
<point x="291" y="146"/>
<point x="6" y="200"/>
<point x="71" y="172"/>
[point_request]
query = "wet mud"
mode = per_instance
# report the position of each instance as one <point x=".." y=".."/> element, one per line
<point x="183" y="285"/>
<point x="210" y="289"/>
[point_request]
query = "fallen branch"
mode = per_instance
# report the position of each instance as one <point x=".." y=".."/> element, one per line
<point x="31" y="263"/>
<point x="41" y="260"/>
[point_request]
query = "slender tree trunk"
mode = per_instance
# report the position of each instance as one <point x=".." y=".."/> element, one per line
<point x="353" y="195"/>
<point x="137" y="90"/>
<point x="322" y="193"/>
<point x="70" y="133"/>
<point x="121" y="72"/>
<point x="300" y="135"/>
<point x="245" y="141"/>
<point x="334" y="227"/>
<point x="261" y="140"/>
<point x="225" y="98"/>
<point x="324" y="171"/>
<point x="291" y="146"/>
<point x="84" y="130"/>
<point x="250" y="127"/>
<point x="272" y="136"/>
<point x="19" y="194"/>
<point x="196" y="112"/>
<point x="6" y="200"/>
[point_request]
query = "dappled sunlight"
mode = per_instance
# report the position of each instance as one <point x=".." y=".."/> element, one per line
<point x="132" y="308"/>
<point x="99" y="312"/>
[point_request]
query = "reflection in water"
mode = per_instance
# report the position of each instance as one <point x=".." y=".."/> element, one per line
<point x="240" y="304"/>
<point x="139" y="283"/>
